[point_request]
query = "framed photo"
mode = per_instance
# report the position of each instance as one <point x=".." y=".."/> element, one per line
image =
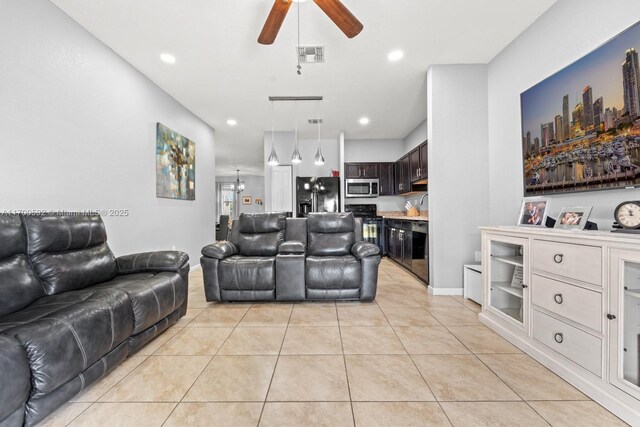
<point x="573" y="218"/>
<point x="533" y="213"/>
<point x="259" y="201"/>
<point x="247" y="200"/>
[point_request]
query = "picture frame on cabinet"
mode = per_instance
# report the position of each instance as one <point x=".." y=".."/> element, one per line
<point x="573" y="218"/>
<point x="533" y="212"/>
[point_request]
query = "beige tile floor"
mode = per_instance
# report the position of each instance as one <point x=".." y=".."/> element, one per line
<point x="407" y="359"/>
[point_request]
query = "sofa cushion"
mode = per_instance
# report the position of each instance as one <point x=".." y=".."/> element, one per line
<point x="268" y="222"/>
<point x="333" y="272"/>
<point x="65" y="334"/>
<point x="19" y="285"/>
<point x="330" y="234"/>
<point x="69" y="252"/>
<point x="153" y="295"/>
<point x="259" y="234"/>
<point x="244" y="273"/>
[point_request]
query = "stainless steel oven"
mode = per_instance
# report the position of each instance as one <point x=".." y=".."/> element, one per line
<point x="357" y="187"/>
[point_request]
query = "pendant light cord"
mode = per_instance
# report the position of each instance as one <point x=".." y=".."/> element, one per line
<point x="298" y="48"/>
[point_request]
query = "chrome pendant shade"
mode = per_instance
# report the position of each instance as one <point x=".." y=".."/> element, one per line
<point x="273" y="159"/>
<point x="319" y="159"/>
<point x="296" y="157"/>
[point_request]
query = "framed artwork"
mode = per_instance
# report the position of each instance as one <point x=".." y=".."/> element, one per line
<point x="247" y="200"/>
<point x="175" y="165"/>
<point x="533" y="213"/>
<point x="581" y="126"/>
<point x="573" y="218"/>
<point x="259" y="201"/>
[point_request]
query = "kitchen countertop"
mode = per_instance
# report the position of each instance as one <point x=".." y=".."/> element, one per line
<point x="401" y="215"/>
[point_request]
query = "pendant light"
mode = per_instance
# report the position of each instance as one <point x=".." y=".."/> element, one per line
<point x="273" y="159"/>
<point x="296" y="157"/>
<point x="319" y="159"/>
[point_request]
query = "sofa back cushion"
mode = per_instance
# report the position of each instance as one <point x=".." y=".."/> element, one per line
<point x="330" y="234"/>
<point x="69" y="252"/>
<point x="259" y="234"/>
<point x="19" y="285"/>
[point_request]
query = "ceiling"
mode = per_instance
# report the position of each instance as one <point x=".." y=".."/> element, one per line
<point x="221" y="71"/>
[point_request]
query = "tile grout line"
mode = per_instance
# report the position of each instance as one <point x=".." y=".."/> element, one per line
<point x="346" y="373"/>
<point x="206" y="366"/>
<point x="273" y="374"/>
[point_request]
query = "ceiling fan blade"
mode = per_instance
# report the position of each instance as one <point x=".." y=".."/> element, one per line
<point x="341" y="16"/>
<point x="274" y="21"/>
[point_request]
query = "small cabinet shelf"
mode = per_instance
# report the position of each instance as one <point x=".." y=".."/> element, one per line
<point x="506" y="294"/>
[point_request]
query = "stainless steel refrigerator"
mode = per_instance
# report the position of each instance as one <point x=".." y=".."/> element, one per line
<point x="317" y="194"/>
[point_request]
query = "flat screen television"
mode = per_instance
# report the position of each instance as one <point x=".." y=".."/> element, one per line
<point x="581" y="126"/>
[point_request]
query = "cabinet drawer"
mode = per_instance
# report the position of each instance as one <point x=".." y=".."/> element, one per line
<point x="574" y="344"/>
<point x="565" y="259"/>
<point x="575" y="303"/>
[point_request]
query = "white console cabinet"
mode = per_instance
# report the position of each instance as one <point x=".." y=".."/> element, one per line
<point x="571" y="300"/>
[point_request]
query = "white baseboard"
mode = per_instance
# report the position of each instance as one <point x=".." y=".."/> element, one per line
<point x="445" y="291"/>
<point x="195" y="267"/>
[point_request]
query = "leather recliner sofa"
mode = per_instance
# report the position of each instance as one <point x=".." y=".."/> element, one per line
<point x="70" y="311"/>
<point x="269" y="257"/>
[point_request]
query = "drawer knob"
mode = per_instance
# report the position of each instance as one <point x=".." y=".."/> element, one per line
<point x="558" y="298"/>
<point x="558" y="258"/>
<point x="611" y="316"/>
<point x="558" y="337"/>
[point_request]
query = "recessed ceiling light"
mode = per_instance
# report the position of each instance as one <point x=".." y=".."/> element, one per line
<point x="364" y="121"/>
<point x="232" y="122"/>
<point x="168" y="58"/>
<point x="396" y="55"/>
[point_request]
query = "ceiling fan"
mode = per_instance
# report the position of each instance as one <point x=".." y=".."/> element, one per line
<point x="334" y="9"/>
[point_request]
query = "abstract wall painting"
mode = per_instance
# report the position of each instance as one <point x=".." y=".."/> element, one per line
<point x="175" y="165"/>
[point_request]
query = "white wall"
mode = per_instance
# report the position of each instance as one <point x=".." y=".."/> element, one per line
<point x="253" y="186"/>
<point x="78" y="132"/>
<point x="416" y="137"/>
<point x="458" y="170"/>
<point x="373" y="150"/>
<point x="566" y="32"/>
<point x="285" y="144"/>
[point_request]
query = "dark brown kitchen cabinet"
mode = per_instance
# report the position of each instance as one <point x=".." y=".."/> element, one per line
<point x="418" y="160"/>
<point x="361" y="170"/>
<point x="403" y="175"/>
<point x="414" y="164"/>
<point x="424" y="163"/>
<point x="386" y="173"/>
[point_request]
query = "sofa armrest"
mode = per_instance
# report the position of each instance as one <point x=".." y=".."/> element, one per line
<point x="291" y="247"/>
<point x="152" y="261"/>
<point x="15" y="378"/>
<point x="220" y="250"/>
<point x="364" y="249"/>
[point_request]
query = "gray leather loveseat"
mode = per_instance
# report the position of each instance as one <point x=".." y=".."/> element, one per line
<point x="270" y="257"/>
<point x="70" y="310"/>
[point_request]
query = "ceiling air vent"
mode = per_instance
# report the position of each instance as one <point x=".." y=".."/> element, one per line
<point x="311" y="54"/>
<point x="315" y="121"/>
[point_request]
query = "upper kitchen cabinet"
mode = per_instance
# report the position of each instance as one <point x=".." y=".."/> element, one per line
<point x="424" y="163"/>
<point x="361" y="170"/>
<point x="418" y="162"/>
<point x="387" y="179"/>
<point x="403" y="175"/>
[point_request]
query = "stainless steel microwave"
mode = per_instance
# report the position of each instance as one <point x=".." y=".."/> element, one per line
<point x="359" y="187"/>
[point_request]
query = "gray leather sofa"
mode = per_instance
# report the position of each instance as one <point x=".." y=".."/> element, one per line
<point x="269" y="257"/>
<point x="70" y="311"/>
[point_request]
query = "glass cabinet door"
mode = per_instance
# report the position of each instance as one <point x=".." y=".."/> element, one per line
<point x="507" y="280"/>
<point x="624" y="321"/>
